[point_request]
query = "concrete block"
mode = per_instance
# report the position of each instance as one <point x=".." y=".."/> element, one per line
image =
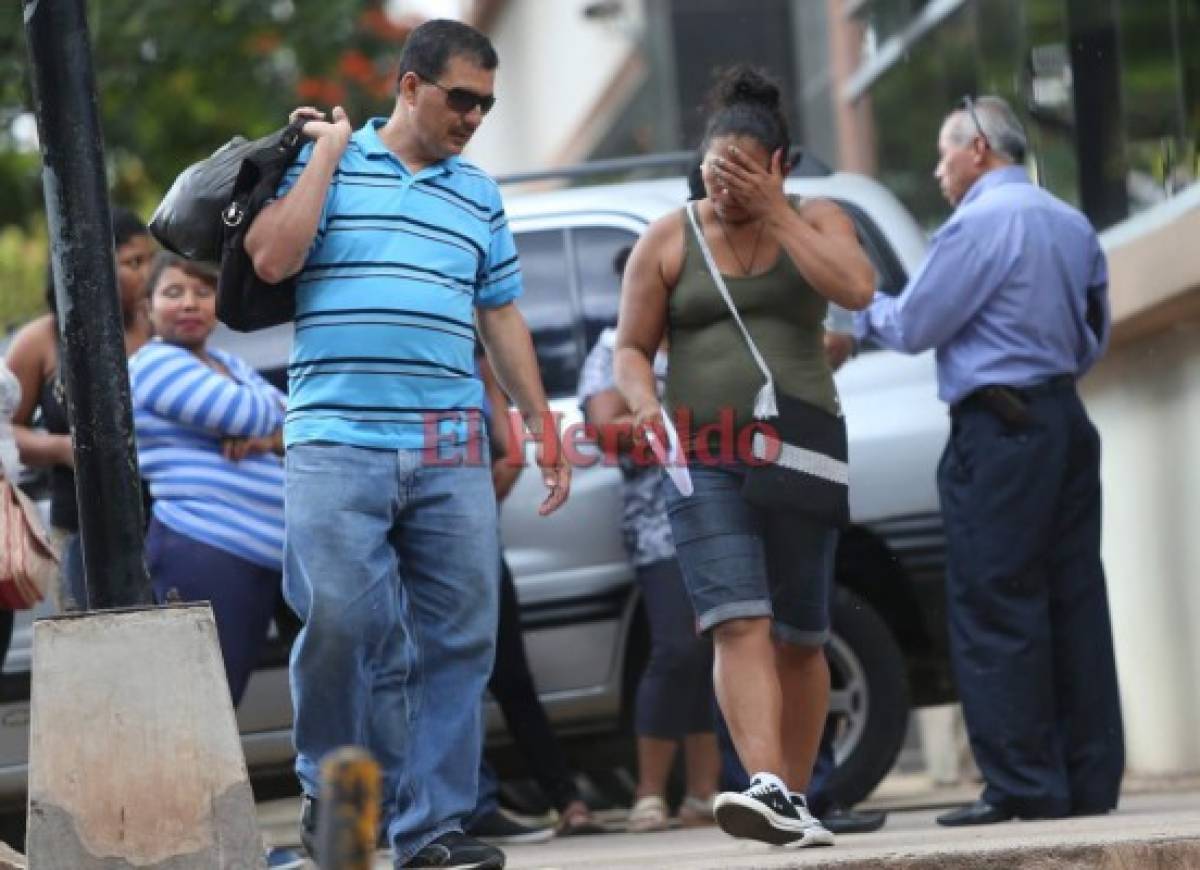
<point x="11" y="859"/>
<point x="134" y="757"/>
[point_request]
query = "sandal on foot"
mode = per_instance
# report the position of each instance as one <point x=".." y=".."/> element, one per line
<point x="648" y="814"/>
<point x="576" y="819"/>
<point x="696" y="812"/>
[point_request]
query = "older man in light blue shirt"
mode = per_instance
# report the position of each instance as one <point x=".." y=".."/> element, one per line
<point x="1013" y="291"/>
<point x="1013" y="295"/>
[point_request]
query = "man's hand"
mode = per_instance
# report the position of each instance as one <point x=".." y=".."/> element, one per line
<point x="757" y="189"/>
<point x="281" y="236"/>
<point x="552" y="460"/>
<point x="316" y="128"/>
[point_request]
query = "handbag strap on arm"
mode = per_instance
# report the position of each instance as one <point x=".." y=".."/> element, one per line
<point x="765" y="405"/>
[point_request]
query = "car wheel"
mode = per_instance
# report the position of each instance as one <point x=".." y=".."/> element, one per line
<point x="869" y="698"/>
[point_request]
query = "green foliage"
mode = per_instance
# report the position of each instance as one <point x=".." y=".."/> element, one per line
<point x="178" y="79"/>
<point x="22" y="274"/>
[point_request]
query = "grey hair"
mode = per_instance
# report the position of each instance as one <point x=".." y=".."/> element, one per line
<point x="999" y="125"/>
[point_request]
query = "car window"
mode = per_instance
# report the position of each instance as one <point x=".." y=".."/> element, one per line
<point x="549" y="308"/>
<point x="596" y="250"/>
<point x="890" y="274"/>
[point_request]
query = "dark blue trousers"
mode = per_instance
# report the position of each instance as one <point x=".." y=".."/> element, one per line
<point x="1030" y="634"/>
<point x="242" y="595"/>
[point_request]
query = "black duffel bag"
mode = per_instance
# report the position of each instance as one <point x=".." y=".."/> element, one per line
<point x="208" y="209"/>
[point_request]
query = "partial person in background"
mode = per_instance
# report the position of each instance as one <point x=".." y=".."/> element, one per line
<point x="10" y="468"/>
<point x="1013" y="294"/>
<point x="209" y="443"/>
<point x="511" y="683"/>
<point x="759" y="579"/>
<point x="33" y="357"/>
<point x="674" y="702"/>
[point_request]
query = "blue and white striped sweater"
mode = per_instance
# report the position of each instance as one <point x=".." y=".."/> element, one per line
<point x="181" y="411"/>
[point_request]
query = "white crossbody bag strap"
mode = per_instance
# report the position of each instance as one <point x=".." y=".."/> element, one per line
<point x="765" y="406"/>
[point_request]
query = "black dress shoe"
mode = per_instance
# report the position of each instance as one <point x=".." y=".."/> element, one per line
<point x="839" y="820"/>
<point x="978" y="813"/>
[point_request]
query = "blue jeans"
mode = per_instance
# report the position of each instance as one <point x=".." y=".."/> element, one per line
<point x="487" y="796"/>
<point x="391" y="566"/>
<point x="741" y="561"/>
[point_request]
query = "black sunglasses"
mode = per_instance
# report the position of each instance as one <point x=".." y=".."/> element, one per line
<point x="463" y="100"/>
<point x="969" y="105"/>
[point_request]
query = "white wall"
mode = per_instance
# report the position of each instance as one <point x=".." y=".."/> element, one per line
<point x="556" y="70"/>
<point x="1145" y="399"/>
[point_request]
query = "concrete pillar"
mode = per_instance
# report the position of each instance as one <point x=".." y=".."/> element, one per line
<point x="855" y="120"/>
<point x="134" y="756"/>
<point x="1145" y="399"/>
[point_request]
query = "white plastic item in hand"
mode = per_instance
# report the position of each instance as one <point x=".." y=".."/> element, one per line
<point x="671" y="456"/>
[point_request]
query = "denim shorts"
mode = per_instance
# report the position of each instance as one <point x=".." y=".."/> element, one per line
<point x="742" y="561"/>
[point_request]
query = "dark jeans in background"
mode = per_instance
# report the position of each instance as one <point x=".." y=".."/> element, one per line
<point x="512" y="686"/>
<point x="6" y="630"/>
<point x="735" y="778"/>
<point x="675" y="694"/>
<point x="242" y="595"/>
<point x="1030" y="633"/>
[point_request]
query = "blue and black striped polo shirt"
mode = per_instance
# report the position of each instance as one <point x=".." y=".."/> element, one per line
<point x="384" y="305"/>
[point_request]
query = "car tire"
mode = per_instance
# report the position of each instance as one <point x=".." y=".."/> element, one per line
<point x="869" y="701"/>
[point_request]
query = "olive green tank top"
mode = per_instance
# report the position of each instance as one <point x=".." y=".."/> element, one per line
<point x="711" y="367"/>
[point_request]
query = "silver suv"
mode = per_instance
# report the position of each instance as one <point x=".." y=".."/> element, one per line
<point x="583" y="625"/>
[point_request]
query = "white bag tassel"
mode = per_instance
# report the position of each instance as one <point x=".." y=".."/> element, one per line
<point x="765" y="407"/>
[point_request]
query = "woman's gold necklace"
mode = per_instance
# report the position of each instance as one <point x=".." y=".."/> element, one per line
<point x="753" y="253"/>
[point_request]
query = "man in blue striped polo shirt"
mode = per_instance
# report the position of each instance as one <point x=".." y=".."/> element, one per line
<point x="402" y="249"/>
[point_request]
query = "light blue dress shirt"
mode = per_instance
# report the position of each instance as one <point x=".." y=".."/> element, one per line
<point x="1013" y="291"/>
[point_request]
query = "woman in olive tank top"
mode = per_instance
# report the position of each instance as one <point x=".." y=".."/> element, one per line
<point x="759" y="580"/>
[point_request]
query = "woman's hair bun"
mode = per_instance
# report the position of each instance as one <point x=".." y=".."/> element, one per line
<point x="744" y="84"/>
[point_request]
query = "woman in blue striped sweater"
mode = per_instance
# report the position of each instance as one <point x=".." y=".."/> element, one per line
<point x="209" y="439"/>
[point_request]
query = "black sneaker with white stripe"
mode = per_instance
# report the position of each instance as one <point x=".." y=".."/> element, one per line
<point x="768" y="813"/>
<point x="455" y="851"/>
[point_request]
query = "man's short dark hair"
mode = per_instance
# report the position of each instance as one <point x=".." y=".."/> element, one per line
<point x="430" y="46"/>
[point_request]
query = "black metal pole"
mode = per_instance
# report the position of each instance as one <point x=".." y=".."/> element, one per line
<point x="89" y="309"/>
<point x="1092" y="30"/>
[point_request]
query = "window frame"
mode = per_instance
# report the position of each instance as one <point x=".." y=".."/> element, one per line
<point x="568" y="224"/>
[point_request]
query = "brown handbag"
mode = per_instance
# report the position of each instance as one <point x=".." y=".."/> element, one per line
<point x="28" y="558"/>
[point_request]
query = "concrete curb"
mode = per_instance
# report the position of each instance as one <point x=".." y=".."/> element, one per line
<point x="1165" y="854"/>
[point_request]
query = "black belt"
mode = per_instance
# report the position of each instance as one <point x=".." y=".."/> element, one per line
<point x="1010" y="404"/>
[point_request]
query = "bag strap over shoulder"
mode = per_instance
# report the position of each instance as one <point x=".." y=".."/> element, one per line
<point x="765" y="405"/>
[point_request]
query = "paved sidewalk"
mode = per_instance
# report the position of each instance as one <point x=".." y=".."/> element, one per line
<point x="1153" y="830"/>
